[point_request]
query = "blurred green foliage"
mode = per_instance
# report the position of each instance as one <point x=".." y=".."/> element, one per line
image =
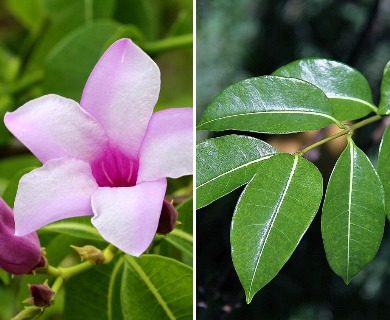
<point x="51" y="46"/>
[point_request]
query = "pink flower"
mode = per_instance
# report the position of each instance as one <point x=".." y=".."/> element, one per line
<point x="18" y="255"/>
<point x="107" y="157"/>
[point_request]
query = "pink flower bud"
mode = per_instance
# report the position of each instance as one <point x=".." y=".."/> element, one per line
<point x="168" y="218"/>
<point x="18" y="255"/>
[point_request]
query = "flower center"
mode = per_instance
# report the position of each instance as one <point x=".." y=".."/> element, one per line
<point x="115" y="169"/>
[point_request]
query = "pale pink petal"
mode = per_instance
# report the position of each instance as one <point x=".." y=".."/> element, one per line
<point x="61" y="189"/>
<point x="167" y="148"/>
<point x="54" y="127"/>
<point x="121" y="93"/>
<point x="128" y="217"/>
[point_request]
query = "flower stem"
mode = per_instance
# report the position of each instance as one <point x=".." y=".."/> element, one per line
<point x="347" y="130"/>
<point x="182" y="41"/>
<point x="69" y="272"/>
<point x="57" y="284"/>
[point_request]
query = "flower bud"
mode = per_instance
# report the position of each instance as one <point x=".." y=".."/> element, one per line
<point x="41" y="295"/>
<point x="18" y="255"/>
<point x="91" y="254"/>
<point x="168" y="218"/>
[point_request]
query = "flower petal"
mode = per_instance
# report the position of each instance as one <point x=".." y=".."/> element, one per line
<point x="55" y="127"/>
<point x="61" y="189"/>
<point x="121" y="93"/>
<point x="167" y="147"/>
<point x="128" y="217"/>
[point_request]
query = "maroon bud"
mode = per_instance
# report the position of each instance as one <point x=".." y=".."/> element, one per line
<point x="41" y="295"/>
<point x="168" y="218"/>
<point x="18" y="255"/>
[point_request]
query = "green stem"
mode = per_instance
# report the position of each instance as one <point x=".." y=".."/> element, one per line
<point x="69" y="272"/>
<point x="66" y="273"/>
<point x="57" y="284"/>
<point x="347" y="130"/>
<point x="182" y="41"/>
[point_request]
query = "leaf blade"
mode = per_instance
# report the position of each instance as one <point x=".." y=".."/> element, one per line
<point x="155" y="287"/>
<point x="353" y="214"/>
<point x="384" y="104"/>
<point x="384" y="168"/>
<point x="268" y="104"/>
<point x="346" y="87"/>
<point x="79" y="227"/>
<point x="215" y="176"/>
<point x="292" y="191"/>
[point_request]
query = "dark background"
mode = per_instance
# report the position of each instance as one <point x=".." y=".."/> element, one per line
<point x="239" y="39"/>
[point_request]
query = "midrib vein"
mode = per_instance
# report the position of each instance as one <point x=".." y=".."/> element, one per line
<point x="151" y="287"/>
<point x="349" y="208"/>
<point x="274" y="215"/>
<point x="234" y="169"/>
<point x="271" y="112"/>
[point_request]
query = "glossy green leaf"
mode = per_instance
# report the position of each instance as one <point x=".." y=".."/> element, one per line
<point x="384" y="104"/>
<point x="73" y="59"/>
<point x="80" y="227"/>
<point x="346" y="87"/>
<point x="273" y="213"/>
<point x="155" y="287"/>
<point x="384" y="167"/>
<point x="268" y="104"/>
<point x="226" y="163"/>
<point x="353" y="214"/>
<point x="87" y="294"/>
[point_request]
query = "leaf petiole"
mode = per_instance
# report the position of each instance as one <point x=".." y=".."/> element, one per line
<point x="348" y="130"/>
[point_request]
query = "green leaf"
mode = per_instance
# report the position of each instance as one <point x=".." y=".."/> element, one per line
<point x="80" y="227"/>
<point x="268" y="104"/>
<point x="64" y="16"/>
<point x="12" y="187"/>
<point x="10" y="166"/>
<point x="155" y="287"/>
<point x="353" y="215"/>
<point x="4" y="277"/>
<point x="114" y="308"/>
<point x="28" y="12"/>
<point x="73" y="59"/>
<point x="143" y="14"/>
<point x="384" y="104"/>
<point x="181" y="240"/>
<point x="185" y="211"/>
<point x="346" y="87"/>
<point x="273" y="213"/>
<point x="5" y="102"/>
<point x="226" y="163"/>
<point x="384" y="167"/>
<point x="87" y="294"/>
